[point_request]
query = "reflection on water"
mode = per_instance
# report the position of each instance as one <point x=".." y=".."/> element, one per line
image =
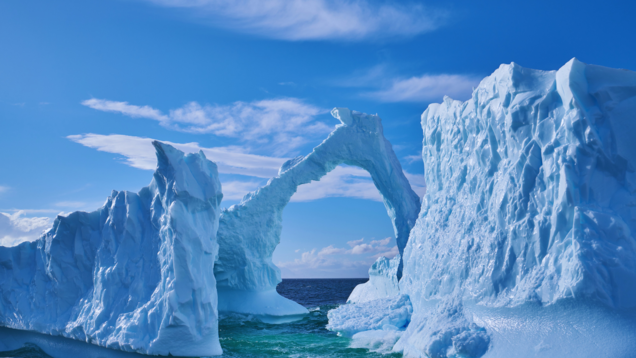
<point x="29" y="350"/>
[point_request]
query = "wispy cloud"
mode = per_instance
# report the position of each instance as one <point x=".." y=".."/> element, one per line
<point x="3" y="189"/>
<point x="139" y="153"/>
<point x="282" y="124"/>
<point x="125" y="109"/>
<point x="17" y="228"/>
<point x="413" y="158"/>
<point x="426" y="88"/>
<point x="343" y="181"/>
<point x="314" y="19"/>
<point x="236" y="190"/>
<point x="418" y="183"/>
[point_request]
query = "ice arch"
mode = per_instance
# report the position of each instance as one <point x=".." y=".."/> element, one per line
<point x="250" y="231"/>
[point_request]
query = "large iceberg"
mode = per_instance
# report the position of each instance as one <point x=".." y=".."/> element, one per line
<point x="135" y="275"/>
<point x="525" y="243"/>
<point x="250" y="231"/>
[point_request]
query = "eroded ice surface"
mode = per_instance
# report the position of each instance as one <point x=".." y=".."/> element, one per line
<point x="390" y="314"/>
<point x="249" y="232"/>
<point x="531" y="199"/>
<point x="135" y="275"/>
<point x="524" y="246"/>
<point x="383" y="281"/>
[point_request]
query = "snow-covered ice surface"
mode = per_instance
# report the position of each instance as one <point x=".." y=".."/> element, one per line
<point x="135" y="275"/>
<point x="527" y="226"/>
<point x="250" y="231"/>
<point x="383" y="281"/>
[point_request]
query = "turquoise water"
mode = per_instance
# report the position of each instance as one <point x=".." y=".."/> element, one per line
<point x="244" y="337"/>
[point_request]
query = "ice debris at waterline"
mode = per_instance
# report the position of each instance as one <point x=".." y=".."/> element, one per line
<point x="525" y="245"/>
<point x="135" y="275"/>
<point x="392" y="314"/>
<point x="250" y="231"/>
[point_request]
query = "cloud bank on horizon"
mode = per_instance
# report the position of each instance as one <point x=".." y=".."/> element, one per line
<point x="331" y="261"/>
<point x="297" y="20"/>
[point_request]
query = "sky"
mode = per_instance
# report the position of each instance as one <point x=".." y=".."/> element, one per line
<point x="87" y="85"/>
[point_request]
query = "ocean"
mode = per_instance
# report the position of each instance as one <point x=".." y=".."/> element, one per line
<point x="244" y="337"/>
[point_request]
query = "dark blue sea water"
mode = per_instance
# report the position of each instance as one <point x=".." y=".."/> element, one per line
<point x="243" y="336"/>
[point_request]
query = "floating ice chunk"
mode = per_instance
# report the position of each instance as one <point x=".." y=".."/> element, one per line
<point x="378" y="340"/>
<point x="383" y="281"/>
<point x="382" y="314"/>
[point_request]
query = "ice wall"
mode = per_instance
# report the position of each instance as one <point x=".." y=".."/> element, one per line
<point x="135" y="275"/>
<point x="527" y="226"/>
<point x="249" y="232"/>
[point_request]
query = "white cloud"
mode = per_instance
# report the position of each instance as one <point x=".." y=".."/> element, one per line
<point x="343" y="181"/>
<point x="125" y="109"/>
<point x="391" y="253"/>
<point x="382" y="242"/>
<point x="418" y="183"/>
<point x="140" y="153"/>
<point x="413" y="158"/>
<point x="236" y="190"/>
<point x="330" y="250"/>
<point x="16" y="228"/>
<point x="314" y="19"/>
<point x="353" y="243"/>
<point x="320" y="263"/>
<point x="4" y="189"/>
<point x="427" y="88"/>
<point x="282" y="124"/>
<point x="313" y="264"/>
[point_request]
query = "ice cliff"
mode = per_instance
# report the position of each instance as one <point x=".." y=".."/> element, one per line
<point x="249" y="232"/>
<point x="135" y="275"/>
<point x="524" y="245"/>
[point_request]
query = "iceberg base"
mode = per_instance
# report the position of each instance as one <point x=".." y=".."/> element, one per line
<point x="267" y="306"/>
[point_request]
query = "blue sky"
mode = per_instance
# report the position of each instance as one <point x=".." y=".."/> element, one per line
<point x="87" y="84"/>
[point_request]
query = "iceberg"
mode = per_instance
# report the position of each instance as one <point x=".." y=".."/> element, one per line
<point x="524" y="245"/>
<point x="250" y="231"/>
<point x="136" y="275"/>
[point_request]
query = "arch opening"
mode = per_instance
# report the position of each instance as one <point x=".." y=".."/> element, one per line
<point x="334" y="228"/>
<point x="250" y="231"/>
